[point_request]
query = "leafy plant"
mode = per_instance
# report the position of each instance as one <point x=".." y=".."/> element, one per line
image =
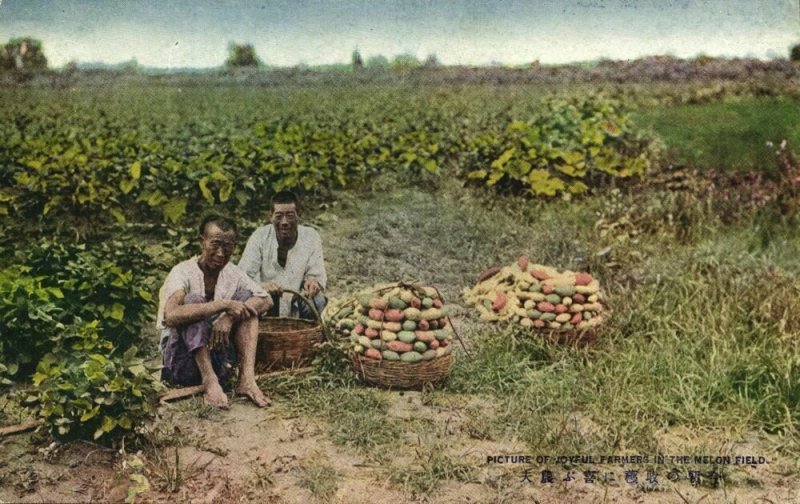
<point x="29" y="317"/>
<point x="332" y="364"/>
<point x="774" y="190"/>
<point x="109" y="283"/>
<point x="61" y="285"/>
<point x="4" y="376"/>
<point x="85" y="389"/>
<point x="567" y="148"/>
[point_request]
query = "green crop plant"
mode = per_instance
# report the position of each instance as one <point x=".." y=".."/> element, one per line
<point x="86" y="389"/>
<point x="61" y="285"/>
<point x="567" y="147"/>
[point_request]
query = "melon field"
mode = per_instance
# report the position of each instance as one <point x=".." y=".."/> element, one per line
<point x="681" y="200"/>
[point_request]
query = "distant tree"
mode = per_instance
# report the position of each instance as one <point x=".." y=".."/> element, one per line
<point x="23" y="54"/>
<point x="241" y="55"/>
<point x="131" y="66"/>
<point x="703" y="59"/>
<point x="378" y="61"/>
<point x="794" y="53"/>
<point x="68" y="72"/>
<point x="404" y="62"/>
<point x="356" y="60"/>
<point x="431" y="61"/>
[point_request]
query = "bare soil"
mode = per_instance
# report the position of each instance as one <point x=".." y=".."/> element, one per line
<point x="248" y="454"/>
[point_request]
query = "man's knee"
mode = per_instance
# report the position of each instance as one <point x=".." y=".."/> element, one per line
<point x="320" y="301"/>
<point x="304" y="310"/>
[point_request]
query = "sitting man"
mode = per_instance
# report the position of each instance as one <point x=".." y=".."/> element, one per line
<point x="203" y="303"/>
<point x="285" y="255"/>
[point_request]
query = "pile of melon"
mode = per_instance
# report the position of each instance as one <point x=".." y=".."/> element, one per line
<point x="538" y="296"/>
<point x="406" y="323"/>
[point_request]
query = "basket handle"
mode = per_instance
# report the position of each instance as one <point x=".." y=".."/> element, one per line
<point x="313" y="309"/>
<point x="458" y="337"/>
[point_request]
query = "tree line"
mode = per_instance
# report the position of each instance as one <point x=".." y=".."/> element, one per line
<point x="26" y="54"/>
<point x="244" y="56"/>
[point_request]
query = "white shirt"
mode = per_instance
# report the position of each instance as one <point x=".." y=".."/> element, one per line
<point x="304" y="260"/>
<point x="188" y="276"/>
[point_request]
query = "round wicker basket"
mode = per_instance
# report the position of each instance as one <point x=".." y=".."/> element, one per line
<point x="584" y="338"/>
<point x="285" y="342"/>
<point x="402" y="375"/>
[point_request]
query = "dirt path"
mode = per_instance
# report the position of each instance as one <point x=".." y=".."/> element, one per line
<point x="251" y="455"/>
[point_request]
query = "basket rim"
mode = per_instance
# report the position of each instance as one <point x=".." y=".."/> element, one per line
<point x="547" y="330"/>
<point x="358" y="358"/>
<point x="584" y="338"/>
<point x="318" y="324"/>
<point x="293" y="319"/>
<point x="310" y="330"/>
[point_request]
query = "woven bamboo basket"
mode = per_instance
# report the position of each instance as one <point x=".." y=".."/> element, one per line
<point x="584" y="338"/>
<point x="577" y="338"/>
<point x="285" y="342"/>
<point x="402" y="375"/>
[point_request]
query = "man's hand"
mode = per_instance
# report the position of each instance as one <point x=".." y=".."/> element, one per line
<point x="239" y="311"/>
<point x="273" y="288"/>
<point x="311" y="287"/>
<point x="268" y="303"/>
<point x="220" y="332"/>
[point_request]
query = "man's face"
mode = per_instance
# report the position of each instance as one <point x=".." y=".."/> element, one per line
<point x="217" y="246"/>
<point x="284" y="219"/>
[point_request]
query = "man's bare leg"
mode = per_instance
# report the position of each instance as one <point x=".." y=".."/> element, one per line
<point x="246" y="342"/>
<point x="213" y="393"/>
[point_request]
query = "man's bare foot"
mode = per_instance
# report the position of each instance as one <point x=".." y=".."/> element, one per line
<point x="214" y="396"/>
<point x="255" y="394"/>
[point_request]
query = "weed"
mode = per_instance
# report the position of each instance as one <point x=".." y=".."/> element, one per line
<point x="261" y="477"/>
<point x="478" y="423"/>
<point x="433" y="463"/>
<point x="506" y="486"/>
<point x="319" y="476"/>
<point x="169" y="472"/>
<point x="354" y="417"/>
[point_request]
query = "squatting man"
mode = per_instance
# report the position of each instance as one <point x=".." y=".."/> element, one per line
<point x="204" y="303"/>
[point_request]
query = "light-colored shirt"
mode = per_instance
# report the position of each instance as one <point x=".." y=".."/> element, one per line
<point x="304" y="260"/>
<point x="188" y="276"/>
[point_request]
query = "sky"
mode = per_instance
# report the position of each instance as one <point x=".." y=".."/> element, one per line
<point x="196" y="33"/>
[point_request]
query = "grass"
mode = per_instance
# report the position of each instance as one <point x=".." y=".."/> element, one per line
<point x="432" y="463"/>
<point x="318" y="475"/>
<point x="701" y="335"/>
<point x="704" y="342"/>
<point x="727" y="134"/>
<point x="354" y="417"/>
<point x="701" y="341"/>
